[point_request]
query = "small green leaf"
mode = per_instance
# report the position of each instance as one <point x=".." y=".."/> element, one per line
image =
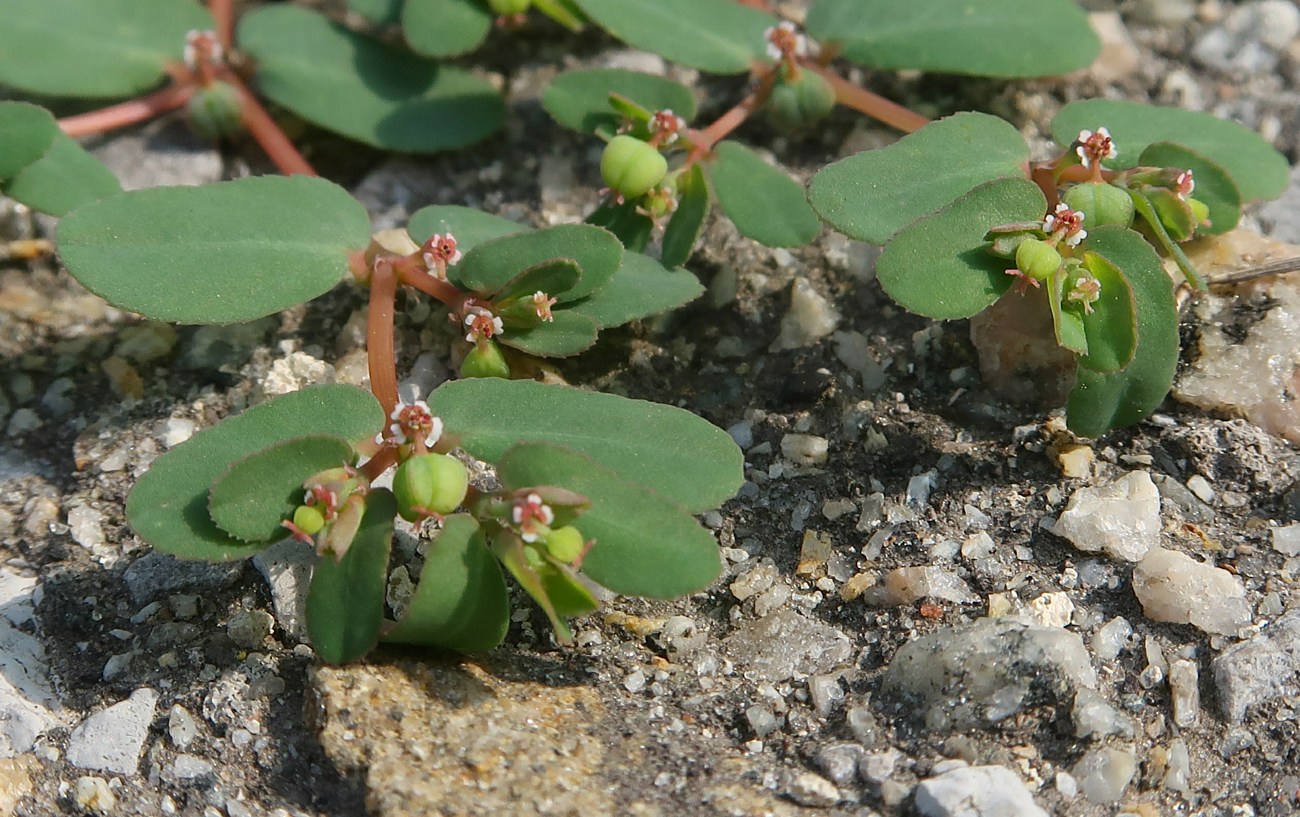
<point x="95" y="48"/>
<point x="763" y="202"/>
<point x="471" y="227"/>
<point x="1112" y="323"/>
<point x="460" y="602"/>
<point x="63" y="179"/>
<point x="551" y="277"/>
<point x="169" y="506"/>
<point x="662" y="447"/>
<point x="568" y="334"/>
<point x="874" y="194"/>
<point x="491" y="264"/>
<point x="222" y="253"/>
<point x="570" y="597"/>
<point x="1259" y="171"/>
<point x="510" y="550"/>
<point x="940" y="266"/>
<point x="579" y="100"/>
<point x="684" y="227"/>
<point x="345" y="604"/>
<point x="1005" y="38"/>
<point x="642" y="287"/>
<point x="646" y="544"/>
<point x="1104" y="401"/>
<point x="1144" y="208"/>
<point x="26" y="131"/>
<point x="364" y="89"/>
<point x="379" y="12"/>
<point x="445" y="28"/>
<point x="1213" y="184"/>
<point x="625" y="220"/>
<point x="718" y="36"/>
<point x="1067" y="323"/>
<point x="257" y="493"/>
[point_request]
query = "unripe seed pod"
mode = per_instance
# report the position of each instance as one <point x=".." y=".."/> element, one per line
<point x="509" y="8"/>
<point x="1200" y="211"/>
<point x="1037" y="259"/>
<point x="1101" y="203"/>
<point x="565" y="543"/>
<point x="308" y="519"/>
<point x="214" y="111"/>
<point x="800" y="103"/>
<point x="485" y="360"/>
<point x="429" y="482"/>
<point x="631" y="167"/>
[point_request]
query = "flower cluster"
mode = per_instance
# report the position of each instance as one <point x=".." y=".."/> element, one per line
<point x="1085" y="289"/>
<point x="482" y="324"/>
<point x="202" y="47"/>
<point x="542" y="304"/>
<point x="665" y="127"/>
<point x="1094" y="146"/>
<point x="785" y="42"/>
<point x="412" y="422"/>
<point x="1067" y="224"/>
<point x="1185" y="185"/>
<point x="529" y="514"/>
<point x="440" y="252"/>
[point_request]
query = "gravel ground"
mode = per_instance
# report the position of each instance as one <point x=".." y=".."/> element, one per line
<point x="935" y="601"/>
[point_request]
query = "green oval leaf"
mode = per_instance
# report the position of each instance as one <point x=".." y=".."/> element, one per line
<point x="345" y="604"/>
<point x="63" y="179"/>
<point x="568" y="334"/>
<point x="222" y="253"/>
<point x="257" y="493"/>
<point x="718" y="36"/>
<point x="169" y="506"/>
<point x="684" y="227"/>
<point x="1104" y="401"/>
<point x="662" y="447"/>
<point x="646" y="544"/>
<point x="491" y="264"/>
<point x="551" y="277"/>
<point x="579" y="100"/>
<point x="1213" y="184"/>
<point x="642" y="287"/>
<point x="445" y="28"/>
<point x="364" y="89"/>
<point x="379" y="12"/>
<point x="1111" y="326"/>
<point x="874" y="194"/>
<point x="1005" y="38"/>
<point x="461" y="601"/>
<point x="1259" y="171"/>
<point x="471" y="227"/>
<point x="103" y="48"/>
<point x="763" y="202"/>
<point x="940" y="266"/>
<point x="26" y="131"/>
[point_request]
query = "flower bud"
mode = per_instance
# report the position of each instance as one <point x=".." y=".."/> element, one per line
<point x="631" y="167"/>
<point x="566" y="543"/>
<point x="429" y="483"/>
<point x="214" y="111"/>
<point x="1037" y="259"/>
<point x="509" y="8"/>
<point x="485" y="360"/>
<point x="308" y="519"/>
<point x="800" y="102"/>
<point x="1102" y="203"/>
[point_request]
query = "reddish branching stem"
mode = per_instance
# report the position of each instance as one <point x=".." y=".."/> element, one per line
<point x="379" y="463"/>
<point x="703" y="141"/>
<point x="128" y="113"/>
<point x="414" y="276"/>
<point x="223" y="14"/>
<point x="268" y="134"/>
<point x="380" y="352"/>
<point x="871" y="104"/>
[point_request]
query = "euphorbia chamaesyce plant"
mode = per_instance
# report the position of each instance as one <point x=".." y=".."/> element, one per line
<point x="590" y="488"/>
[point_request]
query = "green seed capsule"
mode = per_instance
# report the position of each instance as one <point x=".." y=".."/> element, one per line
<point x="485" y="360"/>
<point x="308" y="519"/>
<point x="214" y="111"/>
<point x="631" y="167"/>
<point x="565" y="543"/>
<point x="429" y="482"/>
<point x="800" y="103"/>
<point x="1200" y="211"/>
<point x="1101" y="203"/>
<point x="1037" y="259"/>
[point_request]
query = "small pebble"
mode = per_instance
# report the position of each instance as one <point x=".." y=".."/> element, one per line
<point x="814" y="791"/>
<point x="93" y="794"/>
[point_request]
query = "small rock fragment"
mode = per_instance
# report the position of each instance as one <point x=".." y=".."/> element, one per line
<point x="905" y="585"/>
<point x="1178" y="767"/>
<point x="813" y="790"/>
<point x="1185" y="692"/>
<point x="826" y="693"/>
<point x="1122" y="518"/>
<point x="1103" y="774"/>
<point x="1111" y="639"/>
<point x="93" y="794"/>
<point x="112" y="739"/>
<point x="761" y="720"/>
<point x="250" y="628"/>
<point x="1259" y="670"/>
<point x="1050" y="610"/>
<point x="754" y="581"/>
<point x="976" y="791"/>
<point x="1176" y="588"/>
<point x="784" y="643"/>
<point x="1286" y="540"/>
<point x="1095" y="718"/>
<point x="810" y="318"/>
<point x="839" y="761"/>
<point x="805" y="449"/>
<point x="815" y="551"/>
<point x="181" y="727"/>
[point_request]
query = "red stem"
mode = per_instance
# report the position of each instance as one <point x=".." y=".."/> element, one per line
<point x="871" y="104"/>
<point x="379" y="463"/>
<point x="223" y="14"/>
<point x="268" y="134"/>
<point x="415" y="277"/>
<point x="129" y="112"/>
<point x="380" y="352"/>
<point x="704" y="140"/>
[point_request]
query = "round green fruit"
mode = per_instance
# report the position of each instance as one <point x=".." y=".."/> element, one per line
<point x="308" y="519"/>
<point x="631" y="167"/>
<point x="1037" y="259"/>
<point x="429" y="482"/>
<point x="485" y="360"/>
<point x="214" y="111"/>
<point x="565" y="543"/>
<point x="1101" y="204"/>
<point x="800" y="103"/>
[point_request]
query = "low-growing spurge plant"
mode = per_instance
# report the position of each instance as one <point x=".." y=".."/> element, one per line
<point x="1088" y="226"/>
<point x="587" y="487"/>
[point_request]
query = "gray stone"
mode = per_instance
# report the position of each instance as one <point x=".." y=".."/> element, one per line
<point x="826" y="693"/>
<point x="1095" y="718"/>
<point x="813" y="790"/>
<point x="28" y="705"/>
<point x="1185" y="692"/>
<point x="157" y="575"/>
<point x="981" y="673"/>
<point x="250" y="628"/>
<point x="877" y="767"/>
<point x="176" y="156"/>
<point x="784" y="644"/>
<point x="181" y="727"/>
<point x="809" y="318"/>
<point x="1174" y="587"/>
<point x="1103" y="774"/>
<point x="1122" y="518"/>
<point x="976" y="791"/>
<point x="1280" y="218"/>
<point x="287" y="567"/>
<point x="188" y="768"/>
<point x="762" y="720"/>
<point x="1259" y="670"/>
<point x="839" y="761"/>
<point x="112" y="739"/>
